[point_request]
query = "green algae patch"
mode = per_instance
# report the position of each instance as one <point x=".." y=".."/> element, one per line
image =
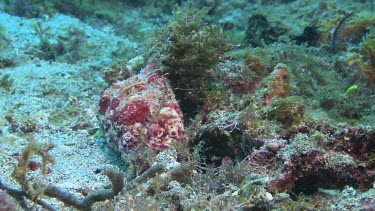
<point x="189" y="48"/>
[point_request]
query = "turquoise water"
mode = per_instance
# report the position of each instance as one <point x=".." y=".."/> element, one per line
<point x="201" y="105"/>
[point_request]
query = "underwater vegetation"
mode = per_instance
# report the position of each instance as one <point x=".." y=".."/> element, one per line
<point x="248" y="113"/>
<point x="188" y="48"/>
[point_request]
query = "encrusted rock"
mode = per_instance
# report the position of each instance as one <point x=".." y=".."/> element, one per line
<point x="141" y="110"/>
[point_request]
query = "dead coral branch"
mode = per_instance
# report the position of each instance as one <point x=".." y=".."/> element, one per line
<point x="20" y="197"/>
<point x="115" y="176"/>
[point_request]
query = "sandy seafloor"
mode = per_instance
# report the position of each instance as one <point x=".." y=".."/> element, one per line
<point x="42" y="89"/>
<point x="60" y="101"/>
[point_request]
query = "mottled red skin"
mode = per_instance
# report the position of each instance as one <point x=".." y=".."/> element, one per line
<point x="155" y="78"/>
<point x="173" y="106"/>
<point x="136" y="111"/>
<point x="141" y="109"/>
<point x="104" y="104"/>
